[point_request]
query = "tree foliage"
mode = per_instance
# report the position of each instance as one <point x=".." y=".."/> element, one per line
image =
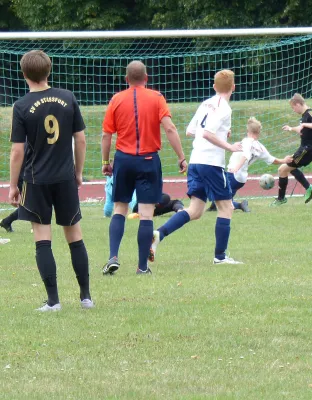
<point x="152" y="14"/>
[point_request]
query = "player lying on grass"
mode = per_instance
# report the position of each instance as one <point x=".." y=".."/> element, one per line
<point x="108" y="207"/>
<point x="166" y="205"/>
<point x="302" y="156"/>
<point x="239" y="162"/>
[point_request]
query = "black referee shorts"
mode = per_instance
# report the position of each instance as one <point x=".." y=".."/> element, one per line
<point x="37" y="202"/>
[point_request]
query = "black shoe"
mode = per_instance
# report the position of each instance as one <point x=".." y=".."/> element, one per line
<point x="140" y="272"/>
<point x="111" y="266"/>
<point x="7" y="227"/>
<point x="244" y="206"/>
<point x="212" y="207"/>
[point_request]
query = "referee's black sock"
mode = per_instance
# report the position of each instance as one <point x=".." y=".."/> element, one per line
<point x="79" y="257"/>
<point x="300" y="178"/>
<point x="282" y="185"/>
<point x="47" y="268"/>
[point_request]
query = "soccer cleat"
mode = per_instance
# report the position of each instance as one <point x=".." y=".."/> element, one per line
<point x="46" y="308"/>
<point x="7" y="227"/>
<point x="4" y="241"/>
<point x="244" y="206"/>
<point x="111" y="266"/>
<point x="86" y="304"/>
<point x="212" y="207"/>
<point x="155" y="243"/>
<point x="133" y="216"/>
<point x="307" y="196"/>
<point x="278" y="202"/>
<point x="226" y="260"/>
<point x="140" y="272"/>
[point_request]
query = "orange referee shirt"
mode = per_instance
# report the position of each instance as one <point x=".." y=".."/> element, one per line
<point x="135" y="115"/>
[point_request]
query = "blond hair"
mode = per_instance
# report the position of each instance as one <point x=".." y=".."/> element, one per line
<point x="297" y="99"/>
<point x="136" y="72"/>
<point x="224" y="81"/>
<point x="36" y="65"/>
<point x="254" y="126"/>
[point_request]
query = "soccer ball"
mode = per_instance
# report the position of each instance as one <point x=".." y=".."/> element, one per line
<point x="266" y="181"/>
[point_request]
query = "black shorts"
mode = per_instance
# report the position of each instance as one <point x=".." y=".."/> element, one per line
<point x="37" y="202"/>
<point x="140" y="173"/>
<point x="302" y="157"/>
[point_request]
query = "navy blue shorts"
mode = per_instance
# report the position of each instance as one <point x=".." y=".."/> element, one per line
<point x="235" y="185"/>
<point x="140" y="173"/>
<point x="208" y="182"/>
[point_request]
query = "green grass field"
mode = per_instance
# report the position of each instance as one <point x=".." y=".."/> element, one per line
<point x="273" y="115"/>
<point x="192" y="330"/>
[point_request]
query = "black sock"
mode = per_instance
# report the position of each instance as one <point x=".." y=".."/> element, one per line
<point x="300" y="178"/>
<point x="11" y="218"/>
<point x="282" y="185"/>
<point x="79" y="257"/>
<point x="47" y="268"/>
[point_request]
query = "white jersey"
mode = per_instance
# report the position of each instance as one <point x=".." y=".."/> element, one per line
<point x="213" y="115"/>
<point x="253" y="150"/>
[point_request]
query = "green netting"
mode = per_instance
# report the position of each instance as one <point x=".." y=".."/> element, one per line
<point x="268" y="71"/>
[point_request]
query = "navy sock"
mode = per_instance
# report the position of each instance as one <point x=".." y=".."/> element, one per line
<point x="145" y="237"/>
<point x="222" y="232"/>
<point x="80" y="262"/>
<point x="174" y="223"/>
<point x="116" y="231"/>
<point x="47" y="268"/>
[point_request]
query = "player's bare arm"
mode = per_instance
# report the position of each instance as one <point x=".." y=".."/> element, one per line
<point x="212" y="138"/>
<point x="285" y="160"/>
<point x="306" y="125"/>
<point x="80" y="155"/>
<point x="175" y="142"/>
<point x="106" y="146"/>
<point x="296" y="129"/>
<point x="16" y="161"/>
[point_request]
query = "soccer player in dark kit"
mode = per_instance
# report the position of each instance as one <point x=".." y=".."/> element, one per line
<point x="47" y="119"/>
<point x="302" y="156"/>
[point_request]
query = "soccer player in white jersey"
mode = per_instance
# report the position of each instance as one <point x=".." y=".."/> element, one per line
<point x="252" y="151"/>
<point x="206" y="177"/>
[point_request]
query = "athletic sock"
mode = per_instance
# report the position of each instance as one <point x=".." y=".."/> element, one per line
<point x="80" y="262"/>
<point x="175" y="222"/>
<point x="300" y="178"/>
<point x="47" y="268"/>
<point x="116" y="231"/>
<point x="11" y="218"/>
<point x="237" y="205"/>
<point x="282" y="185"/>
<point x="222" y="232"/>
<point x="145" y="237"/>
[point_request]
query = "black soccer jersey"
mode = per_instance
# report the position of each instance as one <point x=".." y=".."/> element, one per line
<point x="47" y="120"/>
<point x="306" y="133"/>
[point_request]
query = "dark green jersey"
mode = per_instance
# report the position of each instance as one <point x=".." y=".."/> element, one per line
<point x="47" y="120"/>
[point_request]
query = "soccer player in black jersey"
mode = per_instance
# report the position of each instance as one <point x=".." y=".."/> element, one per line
<point x="302" y="156"/>
<point x="47" y="119"/>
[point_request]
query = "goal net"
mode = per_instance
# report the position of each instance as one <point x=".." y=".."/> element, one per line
<point x="269" y="69"/>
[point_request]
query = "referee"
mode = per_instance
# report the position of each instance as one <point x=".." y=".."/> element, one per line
<point x="135" y="115"/>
